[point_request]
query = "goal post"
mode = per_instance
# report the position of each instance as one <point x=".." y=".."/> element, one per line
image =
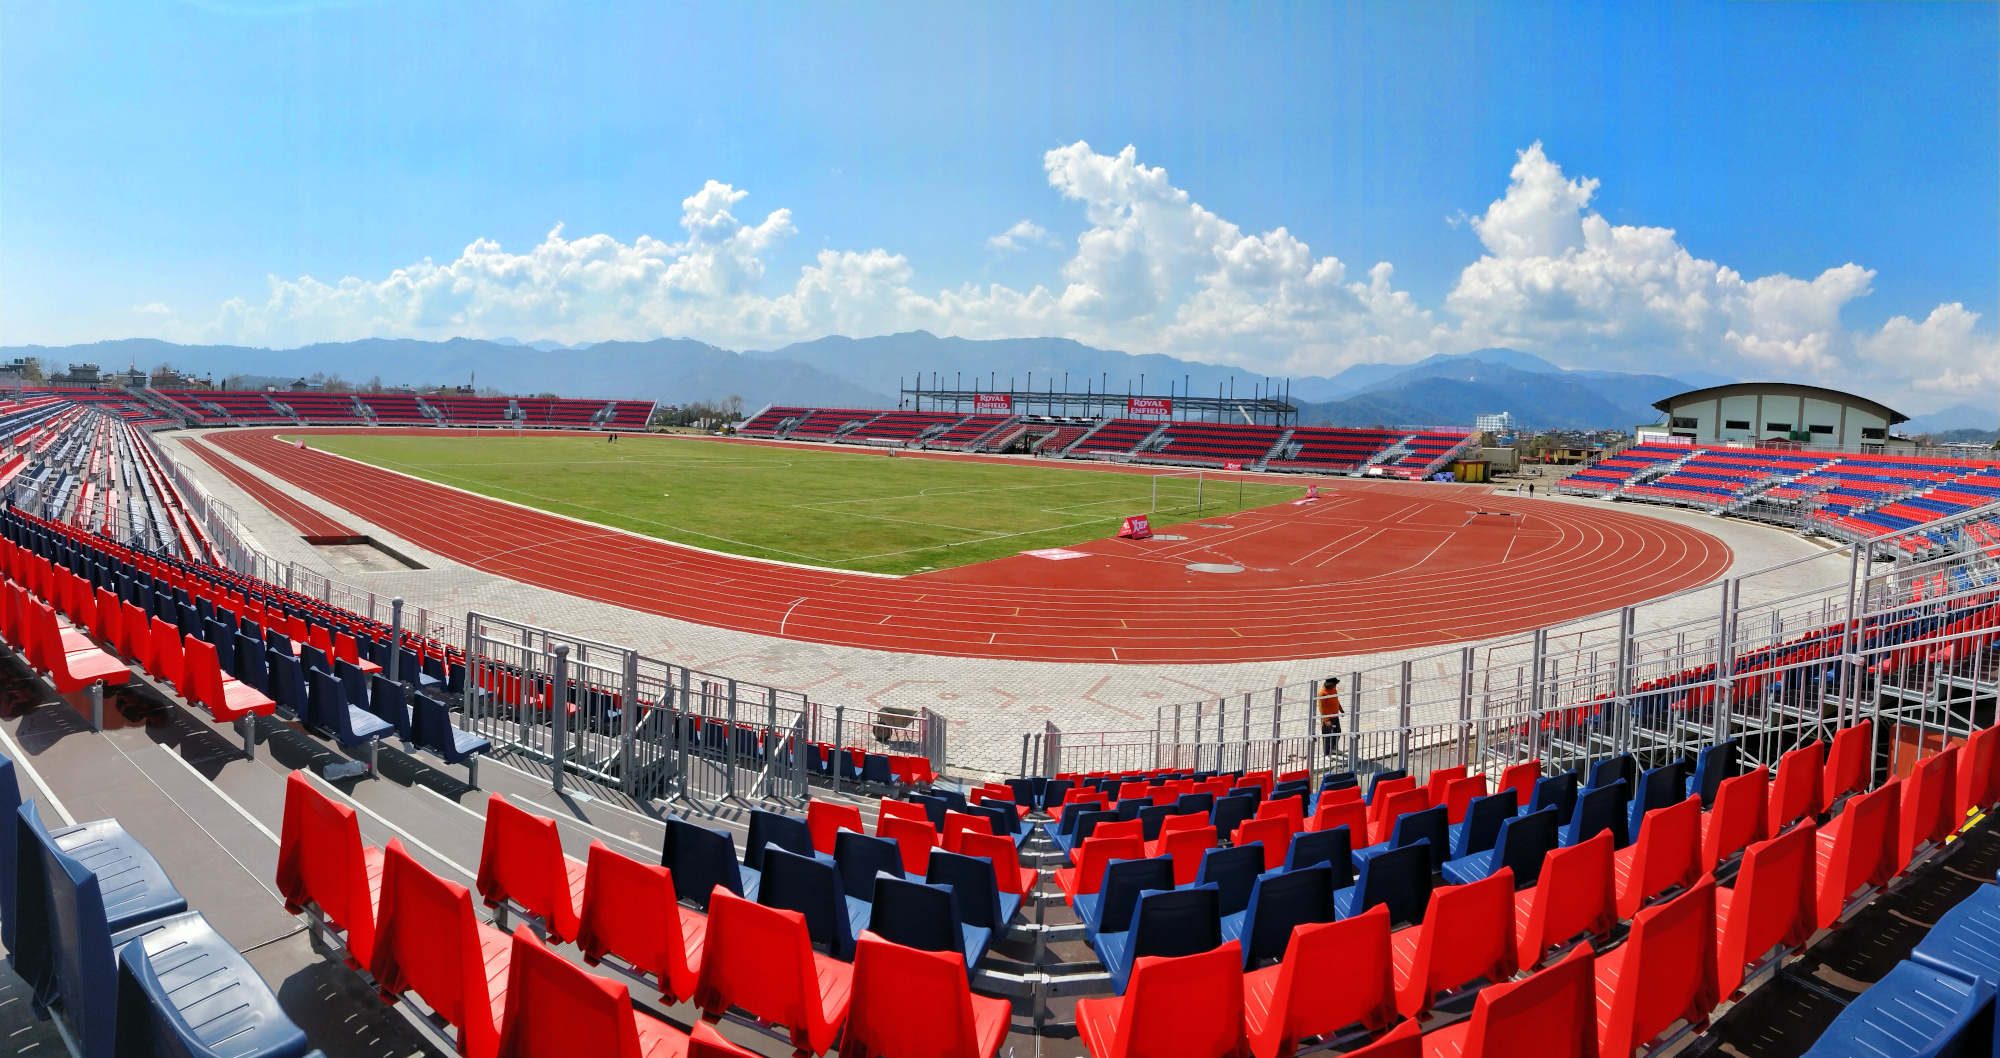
<point x="1199" y="477"/>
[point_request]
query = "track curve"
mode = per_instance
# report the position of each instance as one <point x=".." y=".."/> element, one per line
<point x="1374" y="566"/>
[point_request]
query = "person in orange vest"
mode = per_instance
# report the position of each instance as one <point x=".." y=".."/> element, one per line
<point x="1329" y="714"/>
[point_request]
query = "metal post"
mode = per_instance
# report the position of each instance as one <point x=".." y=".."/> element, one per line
<point x="1354" y="714"/>
<point x="771" y="741"/>
<point x="839" y="743"/>
<point x="1628" y="621"/>
<point x="395" y="634"/>
<point x="1465" y="756"/>
<point x="558" y="707"/>
<point x="97" y="705"/>
<point x="729" y="737"/>
<point x="1403" y="719"/>
<point x="1720" y="734"/>
<point x="628" y="719"/>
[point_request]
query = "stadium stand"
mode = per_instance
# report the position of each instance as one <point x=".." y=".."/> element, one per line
<point x="967" y="432"/>
<point x="1116" y="438"/>
<point x="1427" y="452"/>
<point x="323" y="408"/>
<point x="772" y="421"/>
<point x="397" y="409"/>
<point x="1329" y="448"/>
<point x="475" y="411"/>
<point x="1211" y="444"/>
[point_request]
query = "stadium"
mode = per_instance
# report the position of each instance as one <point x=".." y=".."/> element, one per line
<point x="1012" y="704"/>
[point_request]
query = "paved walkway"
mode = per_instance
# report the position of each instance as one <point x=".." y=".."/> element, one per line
<point x="989" y="703"/>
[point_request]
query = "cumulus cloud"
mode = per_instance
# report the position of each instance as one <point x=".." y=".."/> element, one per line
<point x="1153" y="270"/>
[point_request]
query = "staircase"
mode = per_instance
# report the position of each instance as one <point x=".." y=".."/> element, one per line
<point x="1002" y="431"/>
<point x="1271" y="453"/>
<point x="428" y="409"/>
<point x="1387" y="455"/>
<point x="786" y="426"/>
<point x="1652" y="473"/>
<point x="1078" y="443"/>
<point x="158" y="403"/>
<point x="362" y="409"/>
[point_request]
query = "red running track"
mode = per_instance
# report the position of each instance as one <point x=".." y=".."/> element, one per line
<point x="1375" y="565"/>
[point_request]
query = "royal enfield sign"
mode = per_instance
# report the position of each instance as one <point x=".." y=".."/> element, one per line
<point x="993" y="404"/>
<point x="1159" y="407"/>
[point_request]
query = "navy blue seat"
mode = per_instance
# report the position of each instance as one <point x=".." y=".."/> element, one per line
<point x="1279" y="902"/>
<point x="1661" y="787"/>
<point x="431" y="729"/>
<point x="1602" y="808"/>
<point x="1151" y="818"/>
<point x="352" y="680"/>
<point x="278" y="641"/>
<point x="386" y="699"/>
<point x="288" y="685"/>
<point x="1171" y="924"/>
<point x="1621" y="768"/>
<point x="875" y="769"/>
<point x="184" y="992"/>
<point x="701" y="859"/>
<point x="327" y="708"/>
<point x="1066" y="827"/>
<point x="314" y="659"/>
<point x="249" y="657"/>
<point x="934" y="805"/>
<point x="1431" y="824"/>
<point x="1556" y="791"/>
<point x="1381" y="777"/>
<point x="10" y="801"/>
<point x="1233" y="872"/>
<point x="1130" y="806"/>
<point x="410" y="670"/>
<point x="1966" y="939"/>
<point x="1481" y="825"/>
<point x="771" y="829"/>
<point x="1399" y="878"/>
<point x="187" y="618"/>
<point x="1024" y="792"/>
<point x="923" y="916"/>
<point x="1123" y="881"/>
<point x="1334" y="848"/>
<point x="975" y="887"/>
<point x="859" y="859"/>
<point x="810" y="886"/>
<point x="224" y="642"/>
<point x="1522" y="844"/>
<point x="1085" y="824"/>
<point x="1711" y="766"/>
<point x="1914" y="1011"/>
<point x="1231" y="811"/>
<point x="1191" y="804"/>
<point x="1006" y="822"/>
<point x="1338" y="780"/>
<point x="1053" y="792"/>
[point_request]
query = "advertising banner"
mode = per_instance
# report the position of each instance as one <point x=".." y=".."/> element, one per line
<point x="1149" y="406"/>
<point x="993" y="404"/>
<point x="1135" y="528"/>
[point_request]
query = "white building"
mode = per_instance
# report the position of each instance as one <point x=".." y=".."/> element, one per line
<point x="1502" y="423"/>
<point x="1752" y="412"/>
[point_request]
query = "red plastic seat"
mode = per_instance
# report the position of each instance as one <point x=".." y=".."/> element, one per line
<point x="1404" y="1041"/>
<point x="1771" y="906"/>
<point x="760" y="959"/>
<point x="135" y="633"/>
<point x="1123" y="828"/>
<point x="892" y="981"/>
<point x="554" y="1008"/>
<point x="1976" y="769"/>
<point x="1440" y="779"/>
<point x="1795" y="792"/>
<point x="913" y="839"/>
<point x="1925" y="816"/>
<point x="225" y="697"/>
<point x="429" y="942"/>
<point x="1275" y="833"/>
<point x="1189" y="1007"/>
<point x="1847" y="766"/>
<point x="1736" y="819"/>
<point x="1667" y="854"/>
<point x="1551" y="1014"/>
<point x="108" y="614"/>
<point x="1379" y="795"/>
<point x="889" y="808"/>
<point x="322" y="864"/>
<point x="1521" y="778"/>
<point x="1174" y="825"/>
<point x="1187" y="847"/>
<point x="345" y="650"/>
<point x="1458" y="795"/>
<point x="1093" y="856"/>
<point x="629" y="912"/>
<point x="1292" y="809"/>
<point x="956" y="823"/>
<point x="522" y="860"/>
<point x="1573" y="897"/>
<point x="1467" y="933"/>
<point x="1350" y="814"/>
<point x="163" y="657"/>
<point x="1662" y="974"/>
<point x="1857" y="850"/>
<point x="1134" y="789"/>
<point x="1397" y="806"/>
<point x="825" y="819"/>
<point x="1008" y="874"/>
<point x="72" y="661"/>
<point x="1334" y="974"/>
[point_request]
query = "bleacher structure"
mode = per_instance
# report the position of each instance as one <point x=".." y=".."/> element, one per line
<point x="206" y="407"/>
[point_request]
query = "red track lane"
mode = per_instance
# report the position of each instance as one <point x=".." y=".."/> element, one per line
<point x="1374" y="566"/>
<point x="314" y="526"/>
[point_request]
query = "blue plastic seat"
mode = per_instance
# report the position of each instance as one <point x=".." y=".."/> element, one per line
<point x="875" y="769"/>
<point x="352" y="680"/>
<point x="700" y="859"/>
<point x="184" y="992"/>
<point x="924" y="916"/>
<point x="1399" y="879"/>
<point x="1025" y="793"/>
<point x="1086" y="824"/>
<point x="1191" y="804"/>
<point x="288" y="685"/>
<point x="1557" y="791"/>
<point x="1914" y="1011"/>
<point x="314" y="659"/>
<point x="1661" y="787"/>
<point x="1623" y="767"/>
<point x="774" y="830"/>
<point x="224" y="642"/>
<point x="1381" y="777"/>
<point x="1334" y="848"/>
<point x="249" y="655"/>
<point x="975" y="887"/>
<point x="810" y="886"/>
<point x="1230" y="811"/>
<point x="1601" y="808"/>
<point x="1431" y="824"/>
<point x="410" y="670"/>
<point x="328" y="708"/>
<point x="1279" y="902"/>
<point x="1522" y="843"/>
<point x="1053" y="791"/>
<point x="1233" y="872"/>
<point x="860" y="859"/>
<point x="1711" y="766"/>
<point x="1169" y="924"/>
<point x="387" y="699"/>
<point x="1123" y="881"/>
<point x="1337" y="780"/>
<point x="934" y="805"/>
<point x="1481" y="825"/>
<point x="1966" y="939"/>
<point x="1151" y="818"/>
<point x="10" y="801"/>
<point x="1130" y="806"/>
<point x="431" y="728"/>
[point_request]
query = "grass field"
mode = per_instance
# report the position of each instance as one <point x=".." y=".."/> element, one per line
<point x="843" y="508"/>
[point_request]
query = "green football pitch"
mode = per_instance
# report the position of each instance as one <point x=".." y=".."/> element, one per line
<point x="844" y="508"/>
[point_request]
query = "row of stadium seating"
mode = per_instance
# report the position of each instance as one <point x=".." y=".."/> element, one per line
<point x="232" y="407"/>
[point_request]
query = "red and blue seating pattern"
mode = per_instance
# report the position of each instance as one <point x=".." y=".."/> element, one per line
<point x="1209" y="444"/>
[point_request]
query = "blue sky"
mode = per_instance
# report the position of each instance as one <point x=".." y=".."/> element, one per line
<point x="214" y="171"/>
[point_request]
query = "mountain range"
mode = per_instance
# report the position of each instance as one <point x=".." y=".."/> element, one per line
<point x="867" y="372"/>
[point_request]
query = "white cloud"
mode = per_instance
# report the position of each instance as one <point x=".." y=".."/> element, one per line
<point x="1155" y="271"/>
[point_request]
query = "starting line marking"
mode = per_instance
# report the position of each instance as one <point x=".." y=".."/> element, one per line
<point x="1057" y="554"/>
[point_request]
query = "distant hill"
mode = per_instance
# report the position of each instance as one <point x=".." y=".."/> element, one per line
<point x="1956" y="417"/>
<point x="1454" y="393"/>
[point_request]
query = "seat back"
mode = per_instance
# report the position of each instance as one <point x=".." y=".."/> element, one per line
<point x="521" y="859"/>
<point x="1846" y="769"/>
<point x="1667" y="854"/>
<point x="1524" y="844"/>
<point x="288" y="684"/>
<point x="1231" y="811"/>
<point x="1622" y="767"/>
<point x="1273" y="836"/>
<point x="700" y="859"/>
<point x="1976" y="769"/>
<point x="1795" y="791"/>
<point x="1350" y="814"/>
<point x="1668" y="973"/>
<point x="556" y="1007"/>
<point x="1926" y="812"/>
<point x="630" y="910"/>
<point x="1772" y="904"/>
<point x="1521" y="778"/>
<point x="321" y="861"/>
<point x="824" y="819"/>
<point x="1087" y="823"/>
<point x="860" y="857"/>
<point x="1481" y="823"/>
<point x="916" y="915"/>
<point x="202" y="675"/>
<point x="1097" y="853"/>
<point x="250" y="668"/>
<point x="1278" y="904"/>
<point x="388" y="700"/>
<point x="1574" y="896"/>
<point x="1431" y="824"/>
<point x="83" y="965"/>
<point x="163" y="657"/>
<point x="1189" y="1006"/>
<point x="1333" y="848"/>
<point x="1400" y="879"/>
<point x="1735" y="818"/>
<point x="1334" y="975"/>
<point x="1194" y="804"/>
<point x="760" y="959"/>
<point x="1460" y="793"/>
<point x="1558" y="792"/>
<point x="1176" y="922"/>
<point x="810" y="886"/>
<point x="1658" y="788"/>
<point x="1186" y="848"/>
<point x="427" y="942"/>
<point x="974" y="887"/>
<point x="1233" y="872"/>
<point x="775" y="829"/>
<point x="1004" y="855"/>
<point x="1123" y="881"/>
<point x="430" y="727"/>
<point x="891" y="981"/>
<point x="1600" y="808"/>
<point x="1858" y="848"/>
<point x="1550" y="1014"/>
<point x="1387" y="784"/>
<point x="1388" y="813"/>
<point x="914" y="841"/>
<point x="1468" y="933"/>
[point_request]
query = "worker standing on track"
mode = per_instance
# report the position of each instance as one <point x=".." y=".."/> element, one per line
<point x="1329" y="715"/>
